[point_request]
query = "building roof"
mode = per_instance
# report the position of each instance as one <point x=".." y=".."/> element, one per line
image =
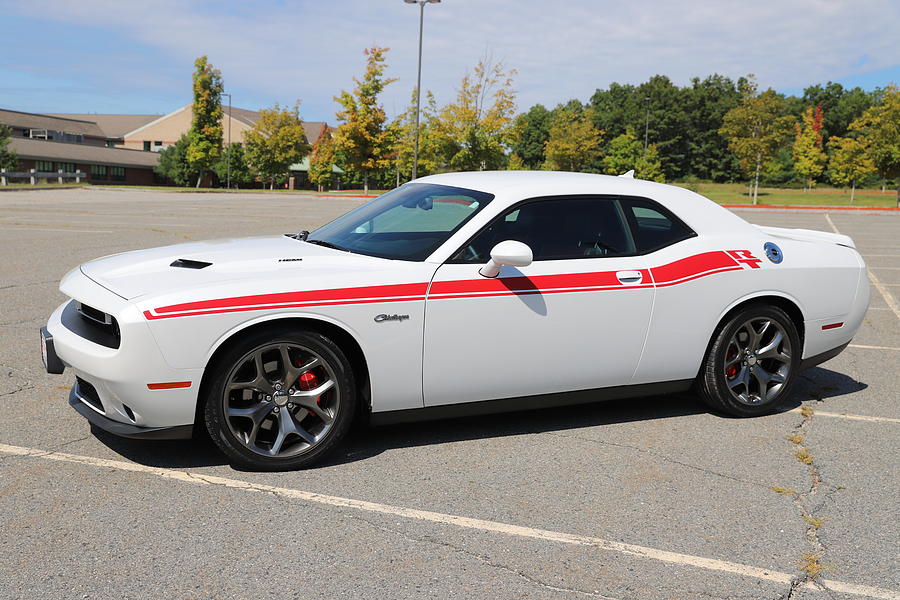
<point x="82" y="153"/>
<point x="312" y="129"/>
<point x="24" y="120"/>
<point x="114" y="126"/>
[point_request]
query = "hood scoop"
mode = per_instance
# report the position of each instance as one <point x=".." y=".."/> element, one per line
<point x="186" y="263"/>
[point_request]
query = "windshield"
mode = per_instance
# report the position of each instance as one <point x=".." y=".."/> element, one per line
<point x="408" y="223"/>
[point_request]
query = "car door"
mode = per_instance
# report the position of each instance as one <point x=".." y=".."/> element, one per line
<point x="576" y="318"/>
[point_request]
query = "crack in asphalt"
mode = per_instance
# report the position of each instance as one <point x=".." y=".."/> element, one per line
<point x="659" y="456"/>
<point x="811" y="562"/>
<point x="483" y="559"/>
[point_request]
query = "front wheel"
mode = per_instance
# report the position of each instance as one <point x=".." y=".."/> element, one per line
<point x="752" y="362"/>
<point x="280" y="401"/>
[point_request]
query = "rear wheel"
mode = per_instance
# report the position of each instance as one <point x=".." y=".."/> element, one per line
<point x="280" y="401"/>
<point x="752" y="363"/>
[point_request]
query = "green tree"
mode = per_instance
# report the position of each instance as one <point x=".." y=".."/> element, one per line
<point x="322" y="162"/>
<point x="240" y="172"/>
<point x="841" y="106"/>
<point x="625" y="152"/>
<point x="173" y="163"/>
<point x="755" y="129"/>
<point x="706" y="102"/>
<point x="532" y="131"/>
<point x="404" y="136"/>
<point x="475" y="131"/>
<point x="574" y="141"/>
<point x="205" y="135"/>
<point x="8" y="158"/>
<point x="275" y="142"/>
<point x="362" y="136"/>
<point x="880" y="127"/>
<point x="850" y="162"/>
<point x="807" y="151"/>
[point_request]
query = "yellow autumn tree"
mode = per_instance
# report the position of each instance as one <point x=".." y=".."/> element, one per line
<point x="363" y="137"/>
<point x="474" y="131"/>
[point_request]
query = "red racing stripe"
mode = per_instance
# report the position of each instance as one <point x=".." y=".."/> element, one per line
<point x="693" y="265"/>
<point x="680" y="271"/>
<point x="313" y="296"/>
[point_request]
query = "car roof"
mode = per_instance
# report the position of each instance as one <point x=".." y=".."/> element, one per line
<point x="700" y="213"/>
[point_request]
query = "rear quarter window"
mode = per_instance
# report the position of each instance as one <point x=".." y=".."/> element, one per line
<point x="653" y="226"/>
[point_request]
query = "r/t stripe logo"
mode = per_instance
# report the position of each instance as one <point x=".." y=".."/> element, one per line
<point x="745" y="257"/>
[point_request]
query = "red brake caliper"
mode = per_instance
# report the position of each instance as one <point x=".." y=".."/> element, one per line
<point x="732" y="370"/>
<point x="308" y="381"/>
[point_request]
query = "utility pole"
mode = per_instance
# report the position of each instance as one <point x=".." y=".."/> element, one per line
<point x="421" y="4"/>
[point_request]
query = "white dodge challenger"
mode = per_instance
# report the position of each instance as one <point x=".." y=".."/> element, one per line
<point x="453" y="294"/>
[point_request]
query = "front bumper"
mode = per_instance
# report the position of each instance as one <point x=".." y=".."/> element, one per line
<point x="78" y="402"/>
<point x="122" y="379"/>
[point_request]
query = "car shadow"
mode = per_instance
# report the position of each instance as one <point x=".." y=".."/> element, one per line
<point x="366" y="442"/>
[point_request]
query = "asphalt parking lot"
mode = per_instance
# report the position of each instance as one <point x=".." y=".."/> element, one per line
<point x="639" y="499"/>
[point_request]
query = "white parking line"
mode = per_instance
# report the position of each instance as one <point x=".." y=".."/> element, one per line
<point x="463" y="522"/>
<point x="878" y="285"/>
<point x="873" y="347"/>
<point x="820" y="413"/>
<point x="67" y="230"/>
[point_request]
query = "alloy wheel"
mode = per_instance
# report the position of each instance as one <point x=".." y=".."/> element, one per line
<point x="757" y="361"/>
<point x="281" y="400"/>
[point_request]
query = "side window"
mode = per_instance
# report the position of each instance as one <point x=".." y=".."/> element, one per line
<point x="654" y="227"/>
<point x="557" y="229"/>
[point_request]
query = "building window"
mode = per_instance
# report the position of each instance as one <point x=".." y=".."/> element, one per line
<point x="157" y="144"/>
<point x="43" y="166"/>
<point x="146" y="146"/>
<point x="117" y="173"/>
<point x="66" y="167"/>
<point x="98" y="172"/>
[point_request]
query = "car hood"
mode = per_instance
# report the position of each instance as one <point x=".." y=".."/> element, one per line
<point x="169" y="268"/>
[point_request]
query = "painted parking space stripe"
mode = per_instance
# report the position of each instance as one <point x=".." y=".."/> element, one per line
<point x="850" y="417"/>
<point x="891" y="302"/>
<point x="457" y="521"/>
<point x="873" y="347"/>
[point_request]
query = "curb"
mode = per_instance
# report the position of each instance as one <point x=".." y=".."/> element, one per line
<point x="807" y="207"/>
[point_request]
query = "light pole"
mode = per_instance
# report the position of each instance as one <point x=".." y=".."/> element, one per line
<point x="421" y="4"/>
<point x="228" y="147"/>
<point x="646" y="123"/>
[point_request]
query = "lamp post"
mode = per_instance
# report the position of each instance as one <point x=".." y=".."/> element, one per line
<point x="646" y="123"/>
<point x="228" y="147"/>
<point x="421" y="4"/>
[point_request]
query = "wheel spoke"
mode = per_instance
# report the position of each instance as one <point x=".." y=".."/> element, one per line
<point x="262" y="382"/>
<point x="762" y="379"/>
<point x="743" y="377"/>
<point x="287" y="426"/>
<point x="770" y="350"/>
<point x="308" y="399"/>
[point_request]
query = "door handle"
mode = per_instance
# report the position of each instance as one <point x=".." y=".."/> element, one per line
<point x="629" y="277"/>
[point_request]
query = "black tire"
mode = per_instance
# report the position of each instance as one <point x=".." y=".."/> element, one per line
<point x="235" y="407"/>
<point x="736" y="381"/>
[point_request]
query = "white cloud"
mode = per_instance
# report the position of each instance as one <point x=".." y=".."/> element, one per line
<point x="310" y="49"/>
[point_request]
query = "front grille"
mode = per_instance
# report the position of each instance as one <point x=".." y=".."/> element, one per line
<point x="88" y="394"/>
<point x="91" y="324"/>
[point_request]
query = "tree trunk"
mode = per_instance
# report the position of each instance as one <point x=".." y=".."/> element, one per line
<point x="199" y="178"/>
<point x="898" y="192"/>
<point x="366" y="183"/>
<point x="756" y="178"/>
<point x="852" y="190"/>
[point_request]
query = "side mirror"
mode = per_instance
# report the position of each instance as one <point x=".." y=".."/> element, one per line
<point x="510" y="253"/>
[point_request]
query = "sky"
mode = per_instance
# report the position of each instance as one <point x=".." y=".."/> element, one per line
<point x="130" y="56"/>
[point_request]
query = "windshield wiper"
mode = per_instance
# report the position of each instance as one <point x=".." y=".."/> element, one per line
<point x="325" y="244"/>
